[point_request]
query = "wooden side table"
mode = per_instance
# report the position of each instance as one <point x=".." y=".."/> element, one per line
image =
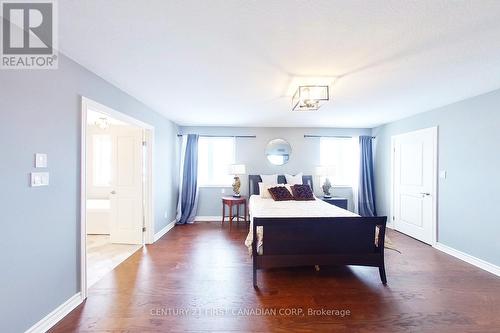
<point x="234" y="201"/>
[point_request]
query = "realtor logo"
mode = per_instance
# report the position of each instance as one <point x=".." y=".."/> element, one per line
<point x="29" y="38"/>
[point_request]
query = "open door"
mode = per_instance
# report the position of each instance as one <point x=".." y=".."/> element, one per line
<point x="126" y="197"/>
<point x="414" y="180"/>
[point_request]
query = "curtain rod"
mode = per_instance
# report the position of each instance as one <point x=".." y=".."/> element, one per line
<point x="330" y="136"/>
<point x="225" y="136"/>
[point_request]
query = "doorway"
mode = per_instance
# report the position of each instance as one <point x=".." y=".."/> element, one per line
<point x="116" y="205"/>
<point x="414" y="180"/>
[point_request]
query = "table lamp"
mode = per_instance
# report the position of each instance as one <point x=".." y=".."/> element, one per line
<point x="237" y="170"/>
<point x="325" y="171"/>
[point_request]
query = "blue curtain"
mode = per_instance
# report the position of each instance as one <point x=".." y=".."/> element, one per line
<point x="189" y="183"/>
<point x="366" y="195"/>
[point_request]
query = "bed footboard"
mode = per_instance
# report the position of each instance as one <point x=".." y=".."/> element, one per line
<point x="320" y="241"/>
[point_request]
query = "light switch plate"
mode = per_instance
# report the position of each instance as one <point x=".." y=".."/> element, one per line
<point x="40" y="160"/>
<point x="39" y="179"/>
<point x="442" y="174"/>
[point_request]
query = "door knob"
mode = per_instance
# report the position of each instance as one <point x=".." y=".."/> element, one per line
<point x="113" y="192"/>
<point x="425" y="194"/>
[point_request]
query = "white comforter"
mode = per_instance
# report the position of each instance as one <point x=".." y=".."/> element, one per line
<point x="260" y="207"/>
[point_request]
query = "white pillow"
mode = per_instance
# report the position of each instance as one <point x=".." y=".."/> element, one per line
<point x="269" y="179"/>
<point x="294" y="180"/>
<point x="264" y="189"/>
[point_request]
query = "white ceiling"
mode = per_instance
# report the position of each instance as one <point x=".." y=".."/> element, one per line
<point x="223" y="62"/>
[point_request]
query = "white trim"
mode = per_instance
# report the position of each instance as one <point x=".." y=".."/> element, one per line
<point x="393" y="161"/>
<point x="163" y="231"/>
<point x="56" y="315"/>
<point x="101" y="108"/>
<point x="435" y="190"/>
<point x="149" y="193"/>
<point x="489" y="267"/>
<point x="83" y="201"/>
<point x="86" y="104"/>
<point x="208" y="218"/>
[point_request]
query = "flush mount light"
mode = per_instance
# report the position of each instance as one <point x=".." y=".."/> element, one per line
<point x="310" y="97"/>
<point x="102" y="123"/>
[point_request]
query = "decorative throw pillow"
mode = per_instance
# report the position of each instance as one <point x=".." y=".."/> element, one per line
<point x="269" y="179"/>
<point x="280" y="193"/>
<point x="302" y="192"/>
<point x="294" y="180"/>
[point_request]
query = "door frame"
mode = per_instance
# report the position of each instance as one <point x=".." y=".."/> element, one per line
<point x="148" y="235"/>
<point x="435" y="190"/>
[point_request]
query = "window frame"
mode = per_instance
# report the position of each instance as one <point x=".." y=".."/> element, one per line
<point x="98" y="159"/>
<point x="232" y="159"/>
<point x="354" y="156"/>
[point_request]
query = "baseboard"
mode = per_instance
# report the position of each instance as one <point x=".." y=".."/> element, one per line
<point x="163" y="231"/>
<point x="208" y="218"/>
<point x="494" y="269"/>
<point x="55" y="316"/>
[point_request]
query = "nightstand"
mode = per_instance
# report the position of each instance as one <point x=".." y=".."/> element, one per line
<point x="234" y="201"/>
<point x="337" y="201"/>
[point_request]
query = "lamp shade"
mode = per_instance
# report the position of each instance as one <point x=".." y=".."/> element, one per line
<point x="321" y="171"/>
<point x="324" y="170"/>
<point x="237" y="169"/>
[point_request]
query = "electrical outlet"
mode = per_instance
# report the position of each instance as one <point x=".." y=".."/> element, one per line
<point x="223" y="190"/>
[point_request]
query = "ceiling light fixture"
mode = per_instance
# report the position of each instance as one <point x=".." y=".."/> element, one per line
<point x="310" y="97"/>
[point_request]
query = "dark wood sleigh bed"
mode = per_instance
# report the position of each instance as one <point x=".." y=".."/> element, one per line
<point x="309" y="241"/>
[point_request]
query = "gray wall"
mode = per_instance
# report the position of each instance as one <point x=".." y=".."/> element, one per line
<point x="469" y="150"/>
<point x="40" y="241"/>
<point x="305" y="156"/>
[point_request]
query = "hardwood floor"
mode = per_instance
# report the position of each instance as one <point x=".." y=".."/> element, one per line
<point x="103" y="256"/>
<point x="205" y="269"/>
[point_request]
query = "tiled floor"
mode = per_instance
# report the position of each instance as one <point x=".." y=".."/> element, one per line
<point x="103" y="256"/>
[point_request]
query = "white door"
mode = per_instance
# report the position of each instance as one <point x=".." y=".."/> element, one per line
<point x="414" y="180"/>
<point x="127" y="187"/>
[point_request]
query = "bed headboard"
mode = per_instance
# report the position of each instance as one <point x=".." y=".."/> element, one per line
<point x="254" y="180"/>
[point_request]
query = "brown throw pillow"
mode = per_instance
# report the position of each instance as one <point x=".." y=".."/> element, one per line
<point x="280" y="193"/>
<point x="302" y="192"/>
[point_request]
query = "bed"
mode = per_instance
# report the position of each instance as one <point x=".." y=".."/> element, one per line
<point x="302" y="233"/>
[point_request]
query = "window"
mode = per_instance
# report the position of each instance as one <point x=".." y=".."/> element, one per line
<point x="342" y="157"/>
<point x="101" y="168"/>
<point x="215" y="154"/>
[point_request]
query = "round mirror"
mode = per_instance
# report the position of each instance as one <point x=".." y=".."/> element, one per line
<point x="278" y="151"/>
